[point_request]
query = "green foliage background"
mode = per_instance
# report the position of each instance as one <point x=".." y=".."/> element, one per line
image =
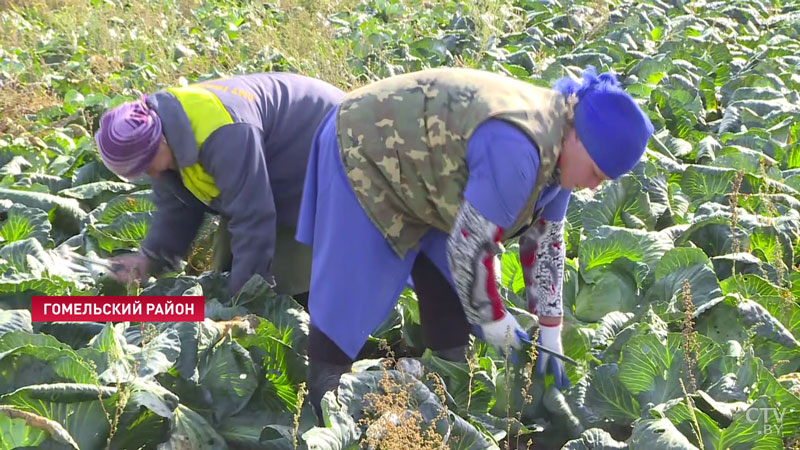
<point x="681" y="286"/>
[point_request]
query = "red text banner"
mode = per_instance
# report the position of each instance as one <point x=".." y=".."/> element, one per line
<point x="118" y="309"/>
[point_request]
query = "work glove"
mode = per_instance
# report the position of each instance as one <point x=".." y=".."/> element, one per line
<point x="504" y="333"/>
<point x="550" y="338"/>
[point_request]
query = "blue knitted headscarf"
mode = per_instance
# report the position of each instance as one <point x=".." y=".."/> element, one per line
<point x="611" y="126"/>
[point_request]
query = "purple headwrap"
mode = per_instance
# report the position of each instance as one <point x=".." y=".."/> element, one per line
<point x="129" y="137"/>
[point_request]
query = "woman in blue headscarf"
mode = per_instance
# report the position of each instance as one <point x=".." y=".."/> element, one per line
<point x="354" y="178"/>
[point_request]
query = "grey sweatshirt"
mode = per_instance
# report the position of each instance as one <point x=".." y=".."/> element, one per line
<point x="258" y="164"/>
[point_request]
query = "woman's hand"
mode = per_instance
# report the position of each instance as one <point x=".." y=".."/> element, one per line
<point x="130" y="267"/>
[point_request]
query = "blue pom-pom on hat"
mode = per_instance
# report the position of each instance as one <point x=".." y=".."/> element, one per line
<point x="609" y="123"/>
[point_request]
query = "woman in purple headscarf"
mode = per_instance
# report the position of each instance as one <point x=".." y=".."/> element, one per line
<point x="236" y="147"/>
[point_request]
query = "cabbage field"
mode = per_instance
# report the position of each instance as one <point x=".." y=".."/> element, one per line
<point x="681" y="285"/>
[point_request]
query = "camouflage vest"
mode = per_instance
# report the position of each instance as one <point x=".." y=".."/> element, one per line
<point x="403" y="139"/>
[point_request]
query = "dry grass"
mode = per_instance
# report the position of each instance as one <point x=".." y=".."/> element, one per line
<point x="695" y="425"/>
<point x="776" y="256"/>
<point x="35" y="4"/>
<point x="734" y="203"/>
<point x="124" y="391"/>
<point x="392" y="417"/>
<point x="492" y="17"/>
<point x="689" y="341"/>
<point x="472" y="366"/>
<point x="525" y="391"/>
<point x="599" y="20"/>
<point x="18" y="101"/>
<point x="400" y="425"/>
<point x="305" y="39"/>
<point x="301" y="396"/>
<point x="132" y="49"/>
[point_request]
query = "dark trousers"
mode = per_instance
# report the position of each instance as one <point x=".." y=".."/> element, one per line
<point x="445" y="330"/>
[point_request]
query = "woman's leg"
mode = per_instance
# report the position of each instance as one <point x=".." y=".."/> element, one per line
<point x="221" y="256"/>
<point x="291" y="263"/>
<point x="356" y="277"/>
<point x="445" y="329"/>
<point x="326" y="364"/>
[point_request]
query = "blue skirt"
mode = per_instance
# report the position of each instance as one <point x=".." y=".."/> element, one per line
<point x="356" y="278"/>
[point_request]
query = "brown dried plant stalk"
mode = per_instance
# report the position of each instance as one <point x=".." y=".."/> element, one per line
<point x="689" y="340"/>
<point x="391" y="415"/>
